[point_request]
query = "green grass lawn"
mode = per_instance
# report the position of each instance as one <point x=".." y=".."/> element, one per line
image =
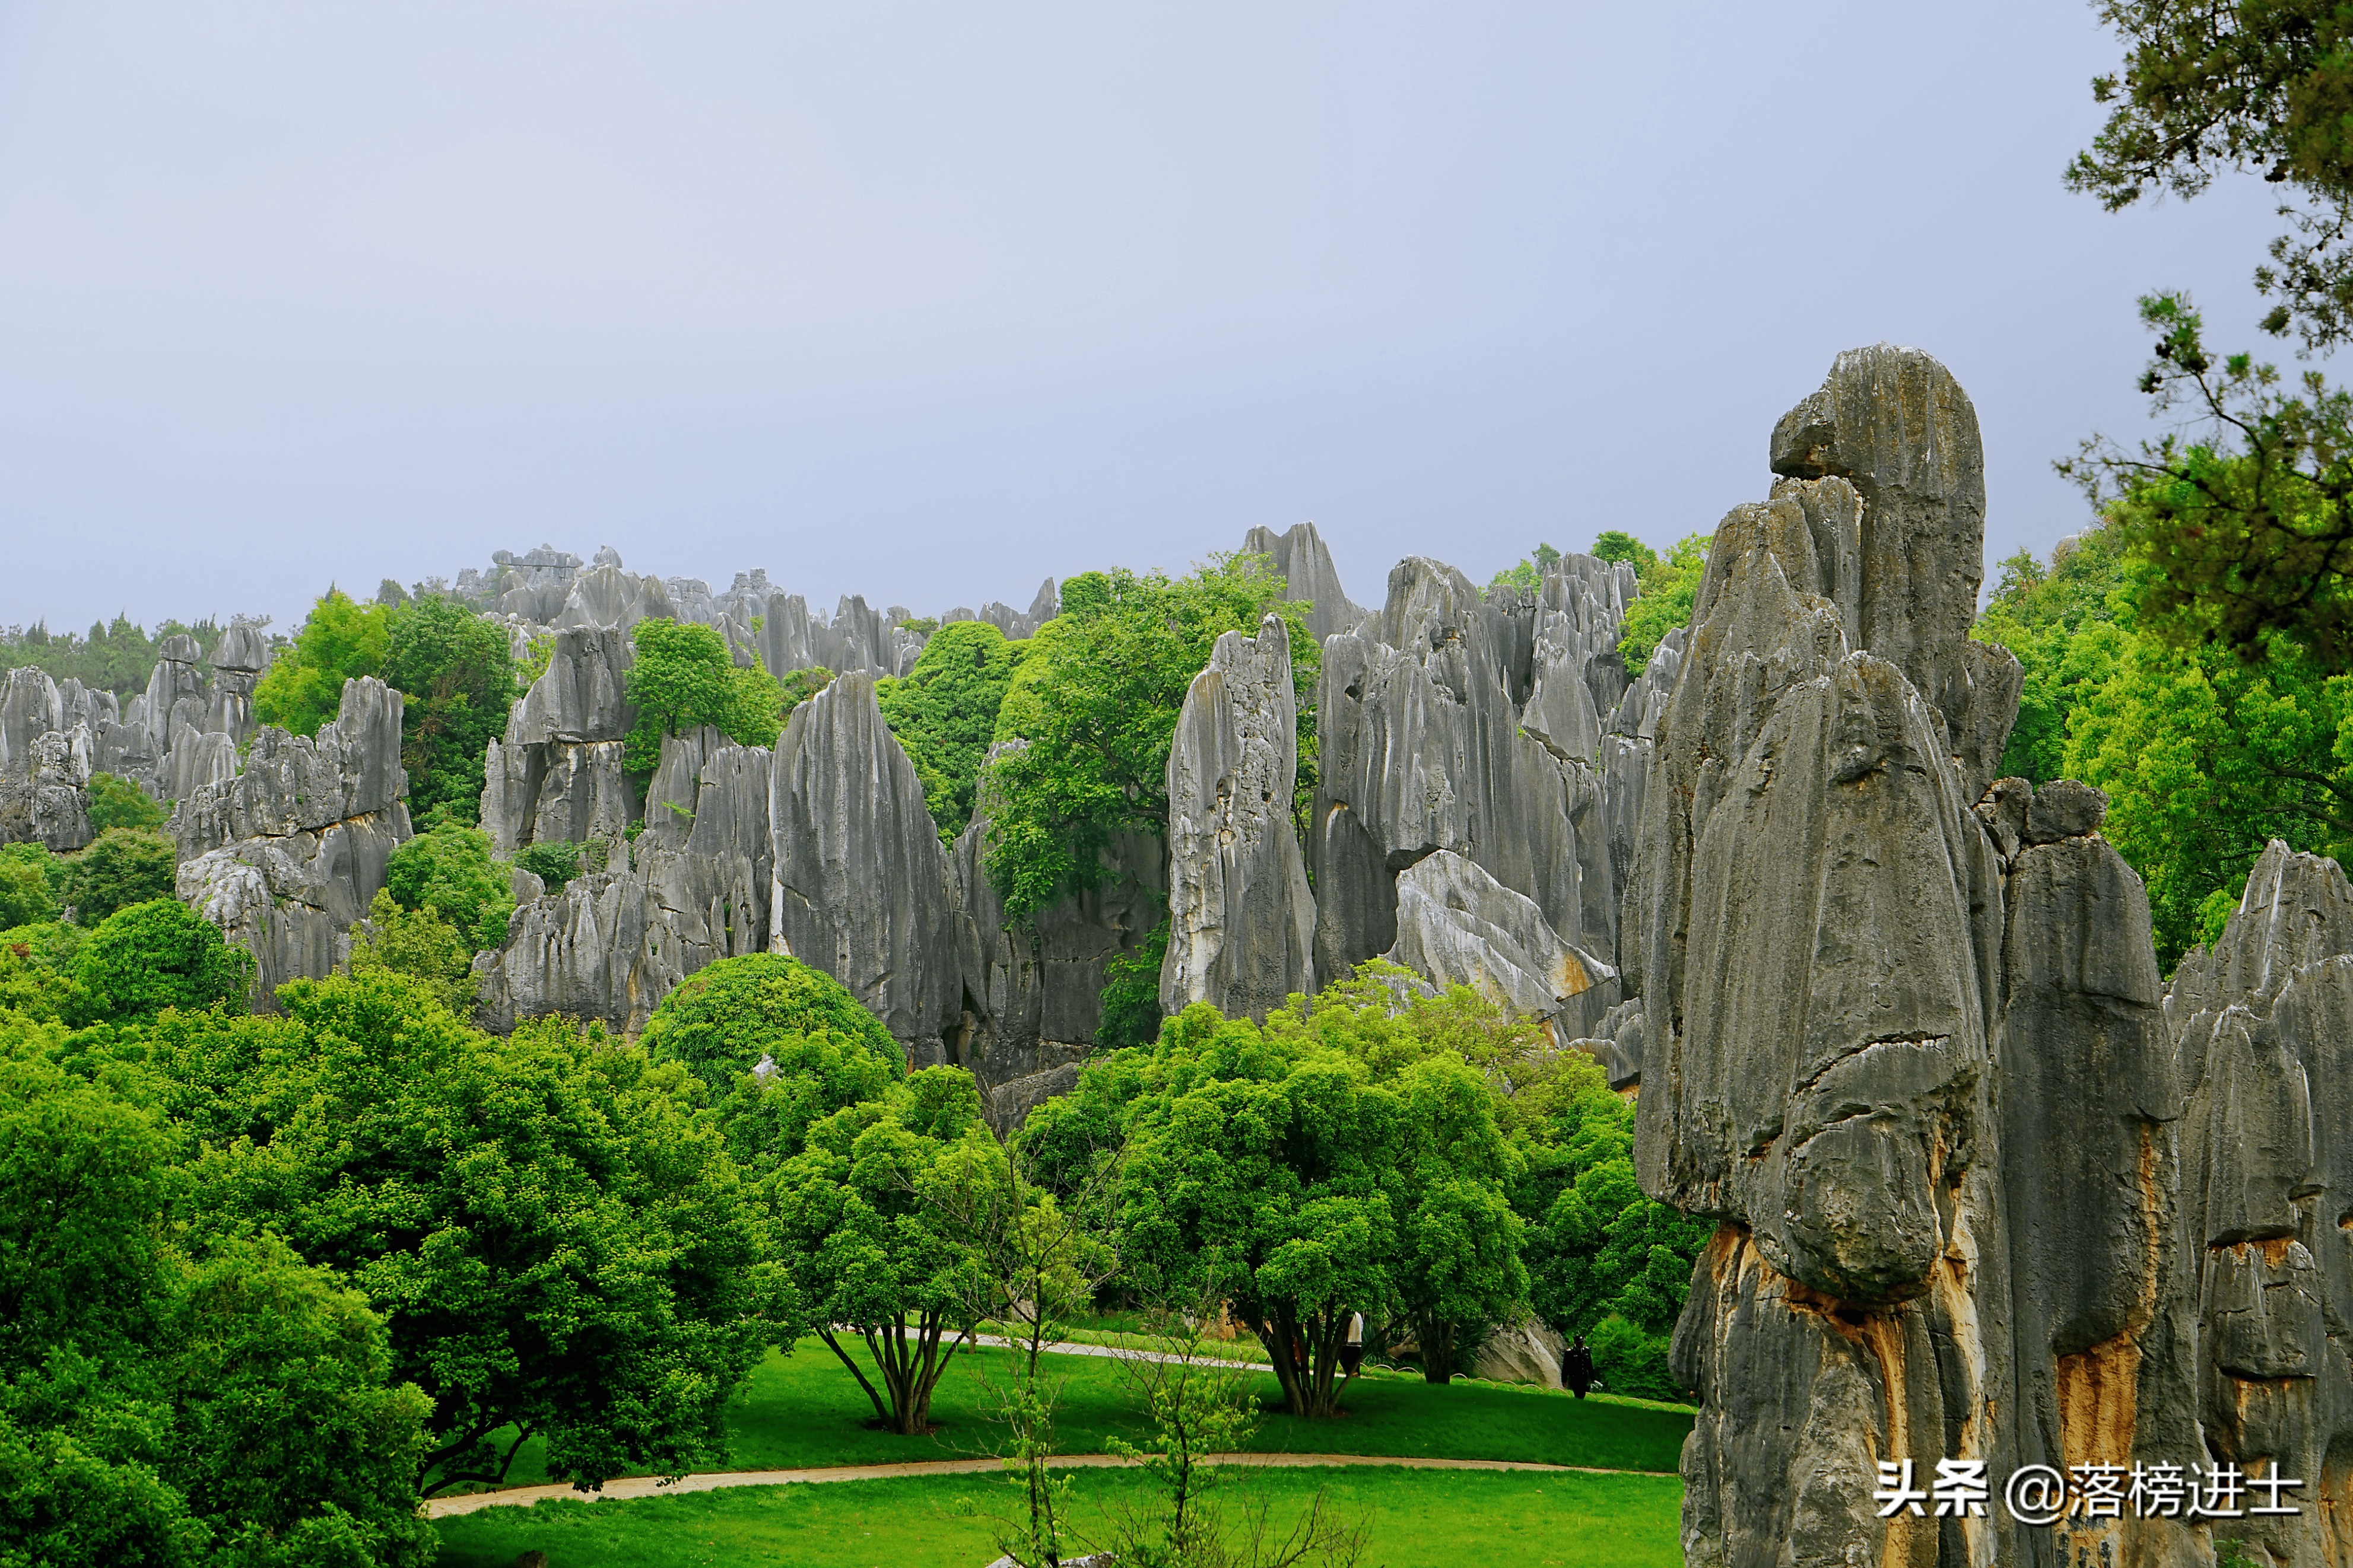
<point x="1417" y="1518"/>
<point x="804" y="1410"/>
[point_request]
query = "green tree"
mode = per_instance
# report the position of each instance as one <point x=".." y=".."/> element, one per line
<point x="2042" y="614"/>
<point x="2262" y="89"/>
<point x="875" y="1257"/>
<point x="1528" y="575"/>
<point x="683" y="678"/>
<point x="449" y="869"/>
<point x="1667" y="586"/>
<point x="552" y="1229"/>
<point x="159" y="954"/>
<point x="944" y="714"/>
<point x="1615" y="545"/>
<point x="1131" y="994"/>
<point x="303" y="687"/>
<point x="419" y="943"/>
<point x="124" y="866"/>
<point x="118" y="803"/>
<point x="553" y="863"/>
<point x="2245" y="520"/>
<point x="725" y="1016"/>
<point x="26" y="897"/>
<point x="1098" y="699"/>
<point x="456" y="675"/>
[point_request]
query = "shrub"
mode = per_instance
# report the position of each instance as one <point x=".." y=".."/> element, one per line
<point x="420" y="945"/>
<point x="722" y="1019"/>
<point x="126" y="865"/>
<point x="1630" y="1361"/>
<point x="552" y="864"/>
<point x="118" y="803"/>
<point x="155" y="955"/>
<point x="25" y="895"/>
<point x="1131" y="995"/>
<point x="449" y="870"/>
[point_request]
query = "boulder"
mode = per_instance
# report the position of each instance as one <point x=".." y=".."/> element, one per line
<point x="1521" y="1350"/>
<point x="1241" y="916"/>
<point x="1458" y="925"/>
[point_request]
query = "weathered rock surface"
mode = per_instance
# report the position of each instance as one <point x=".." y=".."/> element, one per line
<point x="43" y="786"/>
<point x="1522" y="1351"/>
<point x="1458" y="925"/>
<point x="2264" y="1028"/>
<point x="1032" y="993"/>
<point x="860" y="887"/>
<point x="286" y="855"/>
<point x="691" y="890"/>
<point x="1241" y="916"/>
<point x="1305" y="563"/>
<point x="1910" y="1054"/>
<point x="557" y="776"/>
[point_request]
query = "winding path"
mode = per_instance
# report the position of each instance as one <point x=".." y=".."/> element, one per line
<point x="648" y="1486"/>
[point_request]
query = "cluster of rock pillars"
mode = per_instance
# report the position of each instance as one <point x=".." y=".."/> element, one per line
<point x="1988" y="1189"/>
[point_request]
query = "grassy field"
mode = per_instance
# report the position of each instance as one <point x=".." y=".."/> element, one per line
<point x="1417" y="1518"/>
<point x="804" y="1410"/>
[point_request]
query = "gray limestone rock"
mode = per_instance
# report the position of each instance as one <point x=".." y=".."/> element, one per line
<point x="29" y="708"/>
<point x="2263" y="1028"/>
<point x="605" y="597"/>
<point x="1522" y="1351"/>
<point x="1241" y="916"/>
<point x="1458" y="925"/>
<point x="1032" y="993"/>
<point x="1305" y="564"/>
<point x="557" y="776"/>
<point x="1900" y="1032"/>
<point x="285" y="856"/>
<point x="860" y="887"/>
<point x="43" y="791"/>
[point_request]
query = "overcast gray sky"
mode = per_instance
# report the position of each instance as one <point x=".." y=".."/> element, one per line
<point x="929" y="300"/>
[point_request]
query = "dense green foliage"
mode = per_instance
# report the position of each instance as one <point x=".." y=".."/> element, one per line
<point x="27" y="895"/>
<point x="1668" y="585"/>
<point x="123" y="866"/>
<point x="1528" y="575"/>
<point x="683" y="678"/>
<point x="552" y="1231"/>
<point x="875" y="1257"/>
<point x="1098" y="699"/>
<point x="1131" y="994"/>
<point x="118" y="658"/>
<point x="229" y="1407"/>
<point x="2262" y="89"/>
<point x="554" y="863"/>
<point x="722" y="1019"/>
<point x="449" y="869"/>
<point x="150" y="956"/>
<point x="2243" y="514"/>
<point x="2038" y="612"/>
<point x="1617" y="546"/>
<point x="944" y="713"/>
<point x="341" y="641"/>
<point x="419" y="943"/>
<point x="119" y="803"/>
<point x="456" y="678"/>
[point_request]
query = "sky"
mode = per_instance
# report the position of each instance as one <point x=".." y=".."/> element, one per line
<point x="929" y="301"/>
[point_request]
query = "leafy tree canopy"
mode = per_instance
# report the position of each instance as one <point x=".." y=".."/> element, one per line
<point x="683" y="678"/>
<point x="1529" y="574"/>
<point x="124" y="866"/>
<point x="1098" y="700"/>
<point x="1667" y="586"/>
<point x="554" y="1234"/>
<point x="118" y="803"/>
<point x="2258" y="88"/>
<point x="944" y="713"/>
<point x="26" y="897"/>
<point x="420" y="945"/>
<point x="150" y="956"/>
<point x="456" y="675"/>
<point x="874" y="1252"/>
<point x="449" y="869"/>
<point x="2245" y="519"/>
<point x="553" y="863"/>
<point x="722" y="1019"/>
<point x="118" y="657"/>
<point x="1615" y="545"/>
<point x="341" y="640"/>
<point x="2039" y="611"/>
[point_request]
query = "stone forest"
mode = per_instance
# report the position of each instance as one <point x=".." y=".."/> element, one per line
<point x="1942" y="1181"/>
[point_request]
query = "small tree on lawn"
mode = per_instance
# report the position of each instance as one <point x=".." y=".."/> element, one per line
<point x="872" y="1258"/>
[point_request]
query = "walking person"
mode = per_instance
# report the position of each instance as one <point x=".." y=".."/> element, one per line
<point x="1352" y="1352"/>
<point x="1576" y="1368"/>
